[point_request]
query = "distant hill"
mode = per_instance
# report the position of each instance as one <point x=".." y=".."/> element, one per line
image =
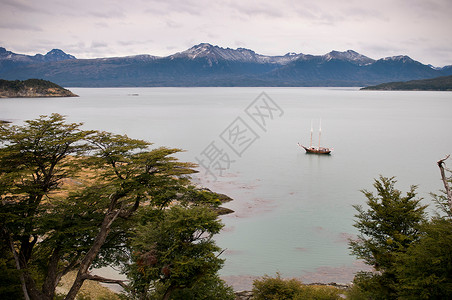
<point x="32" y="88"/>
<point x="10" y="60"/>
<point x="208" y="65"/>
<point x="434" y="84"/>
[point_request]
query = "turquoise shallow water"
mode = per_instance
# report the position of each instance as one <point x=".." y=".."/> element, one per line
<point x="293" y="212"/>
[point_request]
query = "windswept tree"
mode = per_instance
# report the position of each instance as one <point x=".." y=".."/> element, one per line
<point x="34" y="159"/>
<point x="390" y="224"/>
<point x="49" y="226"/>
<point x="411" y="255"/>
<point x="424" y="271"/>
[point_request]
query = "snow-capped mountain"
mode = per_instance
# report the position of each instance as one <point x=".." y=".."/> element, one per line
<point x="350" y="56"/>
<point x="56" y="55"/>
<point x="216" y="53"/>
<point x="399" y="58"/>
<point x="11" y="56"/>
<point x="51" y="56"/>
<point x="208" y="65"/>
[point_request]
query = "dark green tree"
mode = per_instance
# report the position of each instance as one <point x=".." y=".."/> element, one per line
<point x="10" y="286"/>
<point x="209" y="288"/>
<point x="174" y="254"/>
<point x="33" y="161"/>
<point x="51" y="229"/>
<point x="388" y="227"/>
<point x="424" y="271"/>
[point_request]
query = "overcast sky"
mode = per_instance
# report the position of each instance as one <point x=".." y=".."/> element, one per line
<point x="420" y="29"/>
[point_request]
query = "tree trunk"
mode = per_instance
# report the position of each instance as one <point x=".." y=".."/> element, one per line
<point x="16" y="260"/>
<point x="33" y="292"/>
<point x="168" y="292"/>
<point x="445" y="182"/>
<point x="27" y="283"/>
<point x="53" y="277"/>
<point x="82" y="274"/>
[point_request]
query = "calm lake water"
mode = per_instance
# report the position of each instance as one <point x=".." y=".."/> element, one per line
<point x="293" y="211"/>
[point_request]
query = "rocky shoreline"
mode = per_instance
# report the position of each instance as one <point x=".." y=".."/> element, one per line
<point x="222" y="198"/>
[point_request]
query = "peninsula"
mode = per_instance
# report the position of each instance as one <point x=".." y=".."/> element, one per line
<point x="32" y="88"/>
<point x="443" y="83"/>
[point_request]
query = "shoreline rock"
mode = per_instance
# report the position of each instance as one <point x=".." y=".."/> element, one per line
<point x="220" y="210"/>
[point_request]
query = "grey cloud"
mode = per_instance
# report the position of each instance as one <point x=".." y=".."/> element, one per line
<point x="98" y="45"/>
<point x="191" y="7"/>
<point x="336" y="12"/>
<point x="172" y="24"/>
<point x="23" y="6"/>
<point x="133" y="42"/>
<point x="261" y="9"/>
<point x="388" y="27"/>
<point x="102" y="24"/>
<point x="364" y="14"/>
<point x="442" y="51"/>
<point x="171" y="48"/>
<point x="110" y="14"/>
<point x="14" y="25"/>
<point x="430" y="7"/>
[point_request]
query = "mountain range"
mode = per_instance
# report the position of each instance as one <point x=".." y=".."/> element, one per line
<point x="208" y="65"/>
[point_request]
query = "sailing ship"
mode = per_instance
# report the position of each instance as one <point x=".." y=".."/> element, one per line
<point x="316" y="150"/>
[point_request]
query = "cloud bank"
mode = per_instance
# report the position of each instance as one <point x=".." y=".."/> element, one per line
<point x="105" y="28"/>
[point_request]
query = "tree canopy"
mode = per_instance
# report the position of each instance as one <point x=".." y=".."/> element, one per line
<point x="69" y="197"/>
<point x="175" y="251"/>
<point x="390" y="224"/>
<point x="410" y="254"/>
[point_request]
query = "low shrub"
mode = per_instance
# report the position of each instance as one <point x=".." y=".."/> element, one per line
<point x="277" y="288"/>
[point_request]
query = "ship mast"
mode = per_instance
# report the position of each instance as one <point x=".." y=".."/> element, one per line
<point x="320" y="131"/>
<point x="310" y="145"/>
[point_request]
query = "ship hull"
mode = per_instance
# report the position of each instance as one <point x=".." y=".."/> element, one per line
<point x="318" y="151"/>
<point x="312" y="150"/>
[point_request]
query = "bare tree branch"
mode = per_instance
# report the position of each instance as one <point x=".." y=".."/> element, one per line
<point x="106" y="280"/>
<point x="89" y="257"/>
<point x="444" y="179"/>
<point x="131" y="210"/>
<point x="221" y="252"/>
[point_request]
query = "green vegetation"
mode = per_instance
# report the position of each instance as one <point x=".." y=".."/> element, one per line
<point x="425" y="269"/>
<point x="410" y="254"/>
<point x="74" y="199"/>
<point x="32" y="88"/>
<point x="9" y="276"/>
<point x="269" y="288"/>
<point x="175" y="250"/>
<point x="17" y="85"/>
<point x="443" y="83"/>
<point x="388" y="227"/>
